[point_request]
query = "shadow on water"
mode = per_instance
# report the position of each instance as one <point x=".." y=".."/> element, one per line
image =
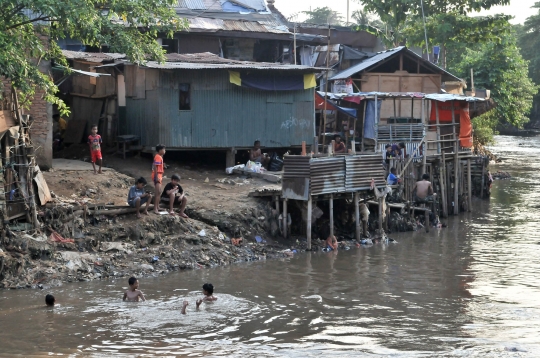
<point x="468" y="290"/>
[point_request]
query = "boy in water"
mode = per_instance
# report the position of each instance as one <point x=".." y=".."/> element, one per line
<point x="331" y="243"/>
<point x="50" y="300"/>
<point x="208" y="292"/>
<point x="94" y="142"/>
<point x="133" y="293"/>
<point x="157" y="174"/>
<point x="138" y="197"/>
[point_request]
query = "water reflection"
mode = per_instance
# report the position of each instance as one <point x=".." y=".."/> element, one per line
<point x="468" y="290"/>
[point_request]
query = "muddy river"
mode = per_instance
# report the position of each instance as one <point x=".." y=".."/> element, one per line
<point x="470" y="290"/>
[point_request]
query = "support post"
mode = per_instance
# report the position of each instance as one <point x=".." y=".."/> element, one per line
<point x="315" y="145"/>
<point x="456" y="179"/>
<point x="469" y="183"/>
<point x="483" y="179"/>
<point x="380" y="216"/>
<point x="331" y="214"/>
<point x="276" y="199"/>
<point x="285" y="228"/>
<point x="363" y="124"/>
<point x="308" y="219"/>
<point x="428" y="224"/>
<point x="357" y="215"/>
<point x="304" y="153"/>
<point x="437" y="118"/>
<point x="229" y="160"/>
<point x="442" y="181"/>
<point x="376" y="124"/>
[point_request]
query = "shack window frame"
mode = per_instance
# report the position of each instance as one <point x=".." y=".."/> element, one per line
<point x="181" y="93"/>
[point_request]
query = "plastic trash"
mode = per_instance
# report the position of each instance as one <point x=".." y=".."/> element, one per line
<point x="202" y="233"/>
<point x="258" y="239"/>
<point x="155" y="259"/>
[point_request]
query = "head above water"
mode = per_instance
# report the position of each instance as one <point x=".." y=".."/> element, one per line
<point x="49" y="300"/>
<point x="425" y="177"/>
<point x="160" y="149"/>
<point x="133" y="282"/>
<point x="208" y="289"/>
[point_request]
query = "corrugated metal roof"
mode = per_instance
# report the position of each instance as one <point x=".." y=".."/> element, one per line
<point x="257" y="5"/>
<point x="92" y="56"/>
<point x="214" y="25"/>
<point x="229" y="66"/>
<point x="210" y="25"/>
<point x="192" y="4"/>
<point x="381" y="56"/>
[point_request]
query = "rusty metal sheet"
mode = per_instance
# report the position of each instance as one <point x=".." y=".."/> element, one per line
<point x="327" y="175"/>
<point x="295" y="188"/>
<point x="360" y="169"/>
<point x="296" y="166"/>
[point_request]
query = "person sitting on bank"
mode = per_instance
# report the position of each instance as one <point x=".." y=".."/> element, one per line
<point x="392" y="179"/>
<point x="256" y="155"/>
<point x="423" y="190"/>
<point x="340" y="146"/>
<point x="137" y="197"/>
<point x="174" y="194"/>
<point x="399" y="150"/>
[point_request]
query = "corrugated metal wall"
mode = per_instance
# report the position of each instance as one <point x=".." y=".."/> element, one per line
<point x="222" y="115"/>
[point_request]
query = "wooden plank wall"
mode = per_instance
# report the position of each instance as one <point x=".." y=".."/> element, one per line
<point x="400" y="81"/>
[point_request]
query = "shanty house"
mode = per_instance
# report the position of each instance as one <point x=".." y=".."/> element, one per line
<point x="202" y="101"/>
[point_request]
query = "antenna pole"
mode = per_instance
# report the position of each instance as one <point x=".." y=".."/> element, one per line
<point x="425" y="31"/>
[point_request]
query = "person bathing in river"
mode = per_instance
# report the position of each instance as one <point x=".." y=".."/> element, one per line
<point x="423" y="190"/>
<point x="331" y="243"/>
<point x="208" y="292"/>
<point x="133" y="293"/>
<point x="50" y="300"/>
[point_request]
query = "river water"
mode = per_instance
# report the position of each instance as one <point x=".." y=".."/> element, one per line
<point x="470" y="290"/>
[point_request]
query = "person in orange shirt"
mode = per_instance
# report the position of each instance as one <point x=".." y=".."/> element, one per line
<point x="157" y="174"/>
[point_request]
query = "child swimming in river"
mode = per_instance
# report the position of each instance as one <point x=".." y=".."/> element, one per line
<point x="133" y="293"/>
<point x="208" y="292"/>
<point x="50" y="300"/>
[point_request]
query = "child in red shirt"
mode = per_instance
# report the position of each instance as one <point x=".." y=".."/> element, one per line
<point x="157" y="174"/>
<point x="94" y="142"/>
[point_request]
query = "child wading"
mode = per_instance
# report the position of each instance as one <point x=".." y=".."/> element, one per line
<point x="94" y="141"/>
<point x="157" y="174"/>
<point x="133" y="293"/>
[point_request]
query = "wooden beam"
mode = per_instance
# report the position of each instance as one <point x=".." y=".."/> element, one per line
<point x="357" y="215"/>
<point x="331" y="204"/>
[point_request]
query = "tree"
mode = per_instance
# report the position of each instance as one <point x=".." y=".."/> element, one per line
<point x="323" y="16"/>
<point x="500" y="67"/>
<point x="29" y="30"/>
<point x="529" y="41"/>
<point x="365" y="18"/>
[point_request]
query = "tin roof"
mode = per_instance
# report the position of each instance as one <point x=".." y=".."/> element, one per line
<point x="92" y="56"/>
<point x="384" y="55"/>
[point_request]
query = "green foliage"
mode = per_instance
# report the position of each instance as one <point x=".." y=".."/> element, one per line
<point x="365" y="18"/>
<point x="500" y="67"/>
<point x="323" y="16"/>
<point x="126" y="26"/>
<point x="484" y="128"/>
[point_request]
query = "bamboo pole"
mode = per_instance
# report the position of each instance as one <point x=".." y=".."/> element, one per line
<point x="442" y="181"/>
<point x="380" y="216"/>
<point x="469" y="184"/>
<point x="483" y="178"/>
<point x="456" y="179"/>
<point x="285" y="228"/>
<point x="357" y="215"/>
<point x="308" y="219"/>
<point x="377" y="124"/>
<point x="323" y="130"/>
<point x="332" y="215"/>
<point x="363" y="125"/>
<point x="437" y="118"/>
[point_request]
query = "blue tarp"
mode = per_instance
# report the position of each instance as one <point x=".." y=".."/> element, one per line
<point x="370" y="120"/>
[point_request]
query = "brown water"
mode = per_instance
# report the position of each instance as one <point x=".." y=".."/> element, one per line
<point x="467" y="291"/>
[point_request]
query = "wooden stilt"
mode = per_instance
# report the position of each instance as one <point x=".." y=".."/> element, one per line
<point x="442" y="180"/>
<point x="276" y="199"/>
<point x="357" y="215"/>
<point x="469" y="183"/>
<point x="308" y="219"/>
<point x="428" y="223"/>
<point x="380" y="216"/>
<point x="363" y="124"/>
<point x="331" y="215"/>
<point x="315" y="148"/>
<point x="285" y="227"/>
<point x="483" y="178"/>
<point x="456" y="179"/>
